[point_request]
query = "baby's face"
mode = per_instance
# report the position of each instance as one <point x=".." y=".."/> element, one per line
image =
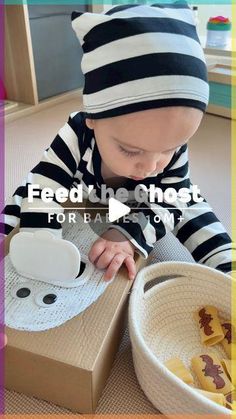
<point x="141" y="144"/>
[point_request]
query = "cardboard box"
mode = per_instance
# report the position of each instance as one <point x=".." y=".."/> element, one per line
<point x="69" y="365"/>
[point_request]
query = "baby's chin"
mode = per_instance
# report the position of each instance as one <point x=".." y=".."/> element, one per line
<point x="116" y="173"/>
<point x="129" y="176"/>
<point x="119" y="173"/>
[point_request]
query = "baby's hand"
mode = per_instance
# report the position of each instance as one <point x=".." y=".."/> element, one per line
<point x="110" y="251"/>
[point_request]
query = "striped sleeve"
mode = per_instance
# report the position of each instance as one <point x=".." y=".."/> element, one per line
<point x="194" y="224"/>
<point x="205" y="237"/>
<point x="56" y="169"/>
<point x="156" y="219"/>
<point x="199" y="230"/>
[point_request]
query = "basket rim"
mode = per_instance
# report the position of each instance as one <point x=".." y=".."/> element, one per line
<point x="137" y="339"/>
<point x="203" y="269"/>
<point x="170" y="282"/>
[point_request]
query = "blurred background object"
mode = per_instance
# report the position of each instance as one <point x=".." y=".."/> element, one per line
<point x="218" y="31"/>
<point x="57" y="53"/>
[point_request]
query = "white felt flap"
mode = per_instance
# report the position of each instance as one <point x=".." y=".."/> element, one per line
<point x="27" y="306"/>
<point x="44" y="257"/>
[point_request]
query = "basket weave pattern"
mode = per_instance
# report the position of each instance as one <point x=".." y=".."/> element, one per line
<point x="162" y="327"/>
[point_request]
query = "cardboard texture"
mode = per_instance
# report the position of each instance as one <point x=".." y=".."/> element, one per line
<point x="69" y="365"/>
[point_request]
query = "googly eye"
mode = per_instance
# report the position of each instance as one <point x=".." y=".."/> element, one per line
<point x="21" y="290"/>
<point x="50" y="299"/>
<point x="46" y="298"/>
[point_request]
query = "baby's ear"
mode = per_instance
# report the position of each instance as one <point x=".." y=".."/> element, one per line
<point x="90" y="123"/>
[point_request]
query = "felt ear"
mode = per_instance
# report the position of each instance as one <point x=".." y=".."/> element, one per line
<point x="77" y="25"/>
<point x="83" y="22"/>
<point x="75" y="14"/>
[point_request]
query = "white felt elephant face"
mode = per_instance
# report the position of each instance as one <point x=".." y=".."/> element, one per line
<point x="34" y="305"/>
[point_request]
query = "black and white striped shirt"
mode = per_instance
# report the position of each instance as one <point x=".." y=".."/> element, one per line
<point x="73" y="158"/>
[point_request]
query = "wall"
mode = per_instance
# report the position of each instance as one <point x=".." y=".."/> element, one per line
<point x="57" y="52"/>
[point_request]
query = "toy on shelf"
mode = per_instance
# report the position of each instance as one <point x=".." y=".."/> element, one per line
<point x="5" y="103"/>
<point x="218" y="31"/>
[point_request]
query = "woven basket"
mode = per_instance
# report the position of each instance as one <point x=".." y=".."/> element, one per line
<point x="162" y="326"/>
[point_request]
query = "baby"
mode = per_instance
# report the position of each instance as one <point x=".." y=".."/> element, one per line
<point x="144" y="97"/>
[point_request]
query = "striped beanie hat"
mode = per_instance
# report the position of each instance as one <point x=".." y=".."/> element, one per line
<point x="138" y="57"/>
